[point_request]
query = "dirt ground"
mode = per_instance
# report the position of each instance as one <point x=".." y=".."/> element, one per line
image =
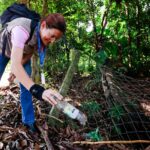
<point x="61" y="136"/>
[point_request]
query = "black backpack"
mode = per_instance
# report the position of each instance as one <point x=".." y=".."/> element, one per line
<point x="15" y="11"/>
<point x="18" y="10"/>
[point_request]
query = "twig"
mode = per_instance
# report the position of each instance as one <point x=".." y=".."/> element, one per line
<point x="5" y="105"/>
<point x="5" y="128"/>
<point x="42" y="114"/>
<point x="10" y="93"/>
<point x="39" y="110"/>
<point x="112" y="142"/>
<point x="52" y="109"/>
<point x="45" y="136"/>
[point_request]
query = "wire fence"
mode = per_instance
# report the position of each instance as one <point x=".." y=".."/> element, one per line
<point x="123" y="110"/>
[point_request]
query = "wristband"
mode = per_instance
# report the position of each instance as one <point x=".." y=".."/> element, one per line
<point x="37" y="91"/>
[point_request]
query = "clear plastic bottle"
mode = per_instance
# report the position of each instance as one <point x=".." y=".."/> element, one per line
<point x="71" y="111"/>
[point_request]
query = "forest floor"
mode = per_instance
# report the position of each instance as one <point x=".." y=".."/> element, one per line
<point x="61" y="136"/>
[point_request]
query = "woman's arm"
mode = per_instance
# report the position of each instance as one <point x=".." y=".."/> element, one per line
<point x="26" y="58"/>
<point x="38" y="91"/>
<point x="17" y="68"/>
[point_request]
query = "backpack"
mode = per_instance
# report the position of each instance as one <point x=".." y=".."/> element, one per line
<point x="15" y="11"/>
<point x="18" y="10"/>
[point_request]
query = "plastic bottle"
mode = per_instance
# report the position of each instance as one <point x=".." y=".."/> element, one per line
<point x="71" y="111"/>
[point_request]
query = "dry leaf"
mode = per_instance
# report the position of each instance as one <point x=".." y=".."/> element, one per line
<point x="1" y="145"/>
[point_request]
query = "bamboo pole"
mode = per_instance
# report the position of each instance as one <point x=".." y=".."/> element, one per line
<point x="112" y="142"/>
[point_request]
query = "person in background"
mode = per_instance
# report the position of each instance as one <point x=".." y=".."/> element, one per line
<point x="19" y="50"/>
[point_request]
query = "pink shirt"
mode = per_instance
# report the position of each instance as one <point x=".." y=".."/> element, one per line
<point x="19" y="36"/>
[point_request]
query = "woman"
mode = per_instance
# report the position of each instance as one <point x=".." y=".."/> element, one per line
<point x="19" y="50"/>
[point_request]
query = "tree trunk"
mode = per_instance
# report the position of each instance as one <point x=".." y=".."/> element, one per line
<point x="138" y="25"/>
<point x="120" y="56"/>
<point x="129" y="33"/>
<point x="45" y="8"/>
<point x="69" y="75"/>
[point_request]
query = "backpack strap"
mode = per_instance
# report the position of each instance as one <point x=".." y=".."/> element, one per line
<point x="33" y="25"/>
<point x="5" y="39"/>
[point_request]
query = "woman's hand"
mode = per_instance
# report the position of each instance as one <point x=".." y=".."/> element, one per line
<point x="48" y="95"/>
<point x="51" y="96"/>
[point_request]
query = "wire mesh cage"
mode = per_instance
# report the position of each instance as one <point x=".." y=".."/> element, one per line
<point x="122" y="111"/>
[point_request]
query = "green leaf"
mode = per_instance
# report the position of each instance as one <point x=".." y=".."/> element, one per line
<point x="100" y="57"/>
<point x="91" y="107"/>
<point x="94" y="135"/>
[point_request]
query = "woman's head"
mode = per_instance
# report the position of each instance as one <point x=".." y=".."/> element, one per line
<point x="52" y="28"/>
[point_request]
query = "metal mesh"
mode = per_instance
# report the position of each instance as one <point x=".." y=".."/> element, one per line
<point x="123" y="111"/>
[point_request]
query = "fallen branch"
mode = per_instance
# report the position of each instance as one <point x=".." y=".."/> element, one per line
<point x="43" y="114"/>
<point x="112" y="142"/>
<point x="11" y="94"/>
<point x="5" y="128"/>
<point x="45" y="136"/>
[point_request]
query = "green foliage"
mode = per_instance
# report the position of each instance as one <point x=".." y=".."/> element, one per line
<point x="94" y="135"/>
<point x="125" y="38"/>
<point x="56" y="60"/>
<point x="4" y="4"/>
<point x="116" y="112"/>
<point x="115" y="130"/>
<point x="95" y="82"/>
<point x="100" y="57"/>
<point x="91" y="108"/>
